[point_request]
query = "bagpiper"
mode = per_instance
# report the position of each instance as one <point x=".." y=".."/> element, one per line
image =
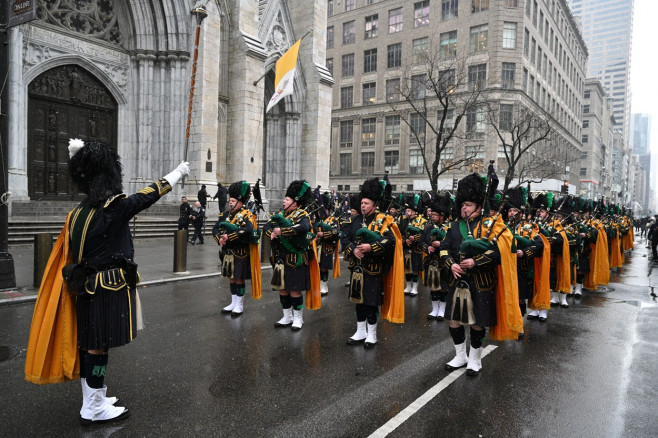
<point x="413" y="250"/>
<point x="328" y="235"/>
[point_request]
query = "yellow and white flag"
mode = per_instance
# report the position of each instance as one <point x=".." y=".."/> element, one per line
<point x="285" y="75"/>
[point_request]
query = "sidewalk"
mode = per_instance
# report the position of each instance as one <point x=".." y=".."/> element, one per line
<point x="155" y="258"/>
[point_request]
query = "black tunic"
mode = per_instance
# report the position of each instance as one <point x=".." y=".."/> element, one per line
<point x="374" y="263"/>
<point x="106" y="306"/>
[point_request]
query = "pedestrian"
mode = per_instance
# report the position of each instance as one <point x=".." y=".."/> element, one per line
<point x="413" y="251"/>
<point x="221" y="197"/>
<point x="373" y="246"/>
<point x="197" y="217"/>
<point x="433" y="235"/>
<point x="202" y="196"/>
<point x="294" y="257"/>
<point x="476" y="291"/>
<point x="100" y="282"/>
<point x="652" y="236"/>
<point x="184" y="214"/>
<point x="236" y="232"/>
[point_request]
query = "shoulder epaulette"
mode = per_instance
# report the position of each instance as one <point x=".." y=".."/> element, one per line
<point x="111" y="199"/>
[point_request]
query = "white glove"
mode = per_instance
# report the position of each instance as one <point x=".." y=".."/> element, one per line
<point x="181" y="171"/>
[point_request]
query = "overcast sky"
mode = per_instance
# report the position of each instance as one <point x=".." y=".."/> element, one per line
<point x="644" y="88"/>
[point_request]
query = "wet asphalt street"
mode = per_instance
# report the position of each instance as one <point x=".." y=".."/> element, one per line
<point x="590" y="371"/>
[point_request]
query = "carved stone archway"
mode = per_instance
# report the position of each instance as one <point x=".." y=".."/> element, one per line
<point x="64" y="102"/>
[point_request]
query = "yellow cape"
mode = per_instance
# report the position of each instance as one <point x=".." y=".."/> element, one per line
<point x="563" y="265"/>
<point x="336" y="261"/>
<point x="313" y="297"/>
<point x="509" y="322"/>
<point x="254" y="258"/>
<point x="616" y="258"/>
<point x="602" y="257"/>
<point x="393" y="306"/>
<point x="541" y="298"/>
<point x="52" y="349"/>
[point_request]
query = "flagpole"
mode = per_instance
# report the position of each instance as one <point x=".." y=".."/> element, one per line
<point x="200" y="13"/>
<point x="265" y="74"/>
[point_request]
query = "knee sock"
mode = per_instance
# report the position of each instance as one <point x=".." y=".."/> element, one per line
<point x="458" y="335"/>
<point x="361" y="313"/>
<point x="297" y="303"/>
<point x="523" y="307"/>
<point x="371" y="315"/>
<point x="324" y="275"/>
<point x="232" y="288"/>
<point x="442" y="296"/>
<point x="82" y="354"/>
<point x="239" y="289"/>
<point x="286" y="302"/>
<point x="477" y="336"/>
<point x="95" y="365"/>
<point x="414" y="278"/>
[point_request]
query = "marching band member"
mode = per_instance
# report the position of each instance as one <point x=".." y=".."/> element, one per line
<point x="413" y="251"/>
<point x="435" y="232"/>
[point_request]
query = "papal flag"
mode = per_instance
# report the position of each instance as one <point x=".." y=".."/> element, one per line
<point x="285" y="75"/>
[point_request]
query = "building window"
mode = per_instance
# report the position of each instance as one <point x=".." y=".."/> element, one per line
<point x="369" y="93"/>
<point x="534" y="13"/>
<point x="585" y="109"/>
<point x="394" y="55"/>
<point x="586" y="94"/>
<point x="539" y="55"/>
<point x="392" y="130"/>
<point x="477" y="76"/>
<point x="525" y="79"/>
<point x="418" y="86"/>
<point x="448" y="47"/>
<point x="349" y="34"/>
<point x="330" y="65"/>
<point x="392" y="161"/>
<point x="533" y="44"/>
<point x="417" y="128"/>
<point x="395" y="20"/>
<point x="349" y="5"/>
<point x="476" y="152"/>
<point x="509" y="35"/>
<point x="347" y="97"/>
<point x="330" y="8"/>
<point x="526" y="42"/>
<point x="392" y="90"/>
<point x="416" y="162"/>
<point x="368" y="132"/>
<point x="475" y="120"/>
<point x="501" y="150"/>
<point x="449" y="9"/>
<point x="512" y="3"/>
<point x="583" y="171"/>
<point x="346" y="133"/>
<point x="505" y="117"/>
<point x="419" y="50"/>
<point x="422" y="13"/>
<point x="507" y="76"/>
<point x="348" y="65"/>
<point x="479" y="37"/>
<point x="585" y="138"/>
<point x="449" y="122"/>
<point x="479" y="5"/>
<point x="345" y="164"/>
<point x="585" y="124"/>
<point x="367" y="163"/>
<point x="370" y="60"/>
<point x="372" y="26"/>
<point x="448" y="153"/>
<point x="330" y="37"/>
<point x="371" y="2"/>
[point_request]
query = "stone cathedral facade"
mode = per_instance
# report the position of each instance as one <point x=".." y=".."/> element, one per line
<point x="120" y="71"/>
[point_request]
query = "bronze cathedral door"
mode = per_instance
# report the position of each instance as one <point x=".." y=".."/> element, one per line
<point x="64" y="102"/>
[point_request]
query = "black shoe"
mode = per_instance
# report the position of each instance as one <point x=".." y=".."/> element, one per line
<point x="125" y="414"/>
<point x="541" y="319"/>
<point x="520" y="336"/>
<point x="347" y="284"/>
<point x="449" y="367"/>
<point x="430" y="317"/>
<point x="191" y="242"/>
<point x="200" y="243"/>
<point x="440" y="318"/>
<point x="564" y="306"/>
<point x="472" y="373"/>
<point x="351" y="341"/>
<point x="368" y="345"/>
<point x="277" y="325"/>
<point x="554" y="304"/>
<point x="531" y="317"/>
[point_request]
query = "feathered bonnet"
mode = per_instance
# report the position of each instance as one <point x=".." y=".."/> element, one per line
<point x="240" y="190"/>
<point x="373" y="189"/>
<point x="442" y="204"/>
<point x="354" y="202"/>
<point x="96" y="169"/>
<point x="470" y="188"/>
<point x="515" y="198"/>
<point x="415" y="202"/>
<point x="300" y="191"/>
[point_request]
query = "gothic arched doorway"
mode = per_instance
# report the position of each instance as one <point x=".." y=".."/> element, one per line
<point x="64" y="102"/>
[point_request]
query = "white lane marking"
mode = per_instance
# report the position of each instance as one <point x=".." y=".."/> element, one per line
<point x="421" y="401"/>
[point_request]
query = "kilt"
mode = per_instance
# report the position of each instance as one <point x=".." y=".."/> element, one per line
<point x="484" y="305"/>
<point x="106" y="319"/>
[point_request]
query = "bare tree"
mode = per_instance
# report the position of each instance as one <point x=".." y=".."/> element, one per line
<point x="436" y="93"/>
<point x="524" y="137"/>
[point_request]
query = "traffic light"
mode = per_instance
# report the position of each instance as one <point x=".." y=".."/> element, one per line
<point x="454" y="183"/>
<point x="565" y="188"/>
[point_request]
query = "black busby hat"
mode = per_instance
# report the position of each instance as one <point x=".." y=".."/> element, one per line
<point x="373" y="189"/>
<point x="565" y="205"/>
<point x="540" y="201"/>
<point x="96" y="169"/>
<point x="515" y="198"/>
<point x="300" y="191"/>
<point x="328" y="202"/>
<point x="414" y="202"/>
<point x="470" y="188"/>
<point x="442" y="204"/>
<point x="496" y="200"/>
<point x="354" y="202"/>
<point x="240" y="190"/>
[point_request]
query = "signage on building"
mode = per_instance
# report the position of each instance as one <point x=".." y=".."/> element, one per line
<point x="21" y="11"/>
